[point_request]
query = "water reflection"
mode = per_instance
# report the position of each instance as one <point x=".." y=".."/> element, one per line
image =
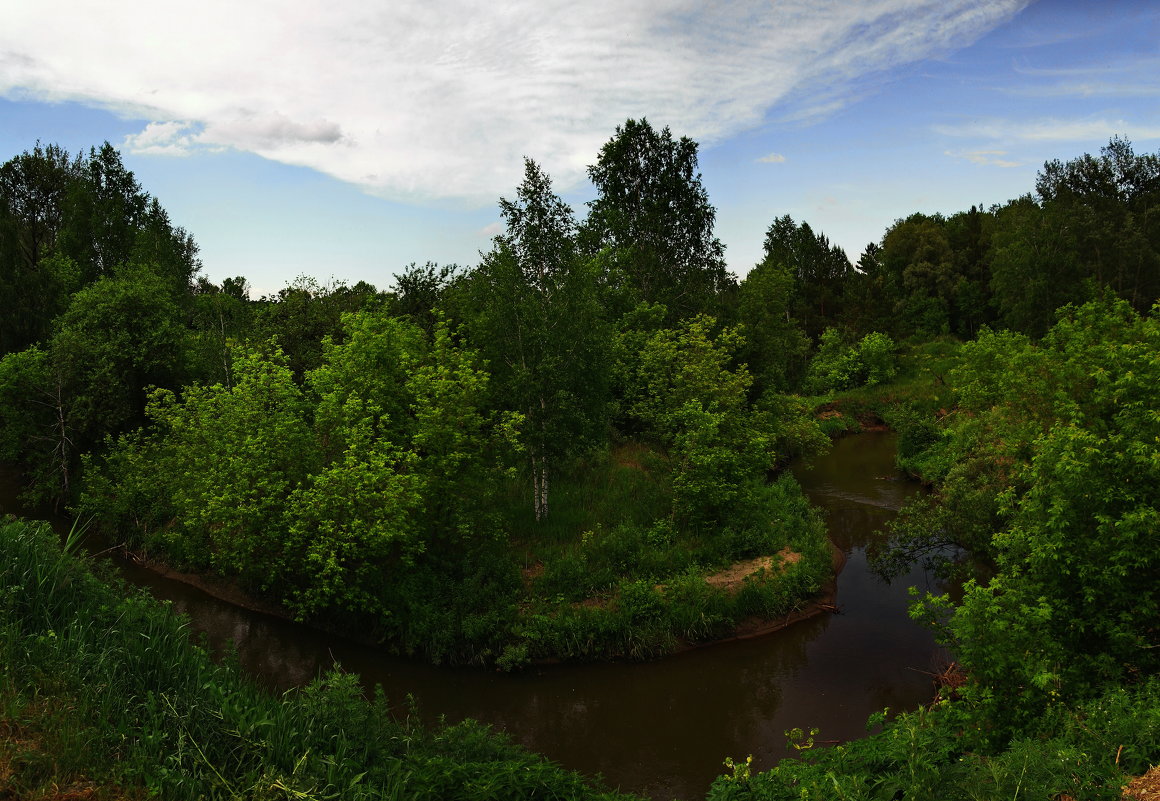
<point x="661" y="728"/>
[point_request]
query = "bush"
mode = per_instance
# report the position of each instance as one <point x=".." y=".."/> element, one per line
<point x="1079" y="752"/>
<point x="837" y="365"/>
<point x="119" y="694"/>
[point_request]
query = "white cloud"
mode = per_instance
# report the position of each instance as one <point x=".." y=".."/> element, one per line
<point x="986" y="158"/>
<point x="170" y="138"/>
<point x="1130" y="64"/>
<point x="1088" y="89"/>
<point x="492" y="230"/>
<point x="441" y="98"/>
<point x="1050" y="130"/>
<point x="772" y="158"/>
<point x="1127" y="76"/>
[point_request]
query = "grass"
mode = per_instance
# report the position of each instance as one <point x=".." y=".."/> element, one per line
<point x="625" y="484"/>
<point x="100" y="691"/>
<point x="919" y="383"/>
<point x="609" y="575"/>
<point x="921" y="379"/>
<point x="1083" y="752"/>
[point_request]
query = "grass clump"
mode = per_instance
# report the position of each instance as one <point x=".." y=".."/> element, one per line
<point x="639" y="588"/>
<point x="99" y="691"/>
<point x="1084" y="751"/>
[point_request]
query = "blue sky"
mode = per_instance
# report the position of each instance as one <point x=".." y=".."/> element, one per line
<point x="345" y="139"/>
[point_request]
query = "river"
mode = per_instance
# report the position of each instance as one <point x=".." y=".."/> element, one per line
<point x="661" y="728"/>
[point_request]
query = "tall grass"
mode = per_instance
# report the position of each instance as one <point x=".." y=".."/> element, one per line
<point x="626" y="484"/>
<point x="638" y="591"/>
<point x="116" y="692"/>
<point x="1084" y="752"/>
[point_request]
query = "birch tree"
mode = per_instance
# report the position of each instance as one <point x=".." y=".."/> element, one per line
<point x="535" y="317"/>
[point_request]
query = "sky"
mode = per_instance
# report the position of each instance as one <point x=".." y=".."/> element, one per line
<point x="346" y="139"/>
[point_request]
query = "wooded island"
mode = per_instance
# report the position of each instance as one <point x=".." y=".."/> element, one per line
<point x="552" y="454"/>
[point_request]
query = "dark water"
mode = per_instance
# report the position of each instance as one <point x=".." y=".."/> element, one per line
<point x="660" y="728"/>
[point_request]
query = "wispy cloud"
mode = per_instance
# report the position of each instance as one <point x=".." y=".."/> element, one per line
<point x="772" y="158"/>
<point x="1050" y="130"/>
<point x="1135" y="66"/>
<point x="985" y="158"/>
<point x="171" y="138"/>
<point x="441" y="98"/>
<point x="1128" y="75"/>
<point x="494" y="229"/>
<point x="1087" y="89"/>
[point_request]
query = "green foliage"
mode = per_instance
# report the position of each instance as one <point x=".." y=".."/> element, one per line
<point x="1110" y="203"/>
<point x="1035" y="265"/>
<point x="838" y="366"/>
<point x="532" y="309"/>
<point x="305" y="313"/>
<point x="122" y="696"/>
<point x="1084" y="751"/>
<point x="917" y="253"/>
<point x="795" y="430"/>
<point x="640" y="590"/>
<point x="835" y="366"/>
<point x="775" y="346"/>
<point x="876" y="352"/>
<point x="819" y="272"/>
<point x="96" y="276"/>
<point x="654" y="221"/>
<point x="33" y="189"/>
<point x="362" y="472"/>
<point x="929" y="277"/>
<point x="697" y="406"/>
<point x="353" y="523"/>
<point x="25" y="421"/>
<point x="1088" y="228"/>
<point x="1048" y="467"/>
<point x="358" y="498"/>
<point x="210" y="482"/>
<point x="120" y="335"/>
<point x="219" y="316"/>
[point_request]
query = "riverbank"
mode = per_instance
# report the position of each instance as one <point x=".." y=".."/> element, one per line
<point x="823" y="602"/>
<point x="104" y="696"/>
<point x="599" y="717"/>
<point x="633" y="619"/>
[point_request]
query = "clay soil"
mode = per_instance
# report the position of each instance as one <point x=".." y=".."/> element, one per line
<point x="1144" y="788"/>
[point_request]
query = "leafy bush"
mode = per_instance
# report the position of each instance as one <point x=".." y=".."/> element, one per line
<point x="837" y="365"/>
<point x="1079" y="752"/>
<point x="121" y="695"/>
<point x="1047" y="467"/>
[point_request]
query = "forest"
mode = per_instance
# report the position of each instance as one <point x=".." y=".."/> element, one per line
<point x="551" y="454"/>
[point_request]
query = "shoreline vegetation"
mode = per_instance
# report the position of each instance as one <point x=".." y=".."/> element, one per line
<point x="104" y="696"/>
<point x="544" y="455"/>
<point x="822" y="602"/>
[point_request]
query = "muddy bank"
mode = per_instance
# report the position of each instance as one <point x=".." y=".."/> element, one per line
<point x="661" y="728"/>
<point x="825" y="602"/>
<point x="230" y="592"/>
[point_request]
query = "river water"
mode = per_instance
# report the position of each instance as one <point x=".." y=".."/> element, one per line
<point x="661" y="728"/>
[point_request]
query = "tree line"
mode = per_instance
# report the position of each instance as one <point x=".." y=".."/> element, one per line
<point x="81" y="242"/>
<point x="545" y="454"/>
<point x="367" y="453"/>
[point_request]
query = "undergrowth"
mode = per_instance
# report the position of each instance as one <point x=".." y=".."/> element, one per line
<point x="102" y="689"/>
<point x="1082" y="752"/>
<point x="602" y="581"/>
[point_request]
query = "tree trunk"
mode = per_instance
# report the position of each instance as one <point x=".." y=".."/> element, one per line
<point x="543" y="489"/>
<point x="540" y="471"/>
<point x="540" y="487"/>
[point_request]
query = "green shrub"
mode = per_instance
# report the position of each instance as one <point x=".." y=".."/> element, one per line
<point x="837" y="365"/>
<point x="148" y="709"/>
